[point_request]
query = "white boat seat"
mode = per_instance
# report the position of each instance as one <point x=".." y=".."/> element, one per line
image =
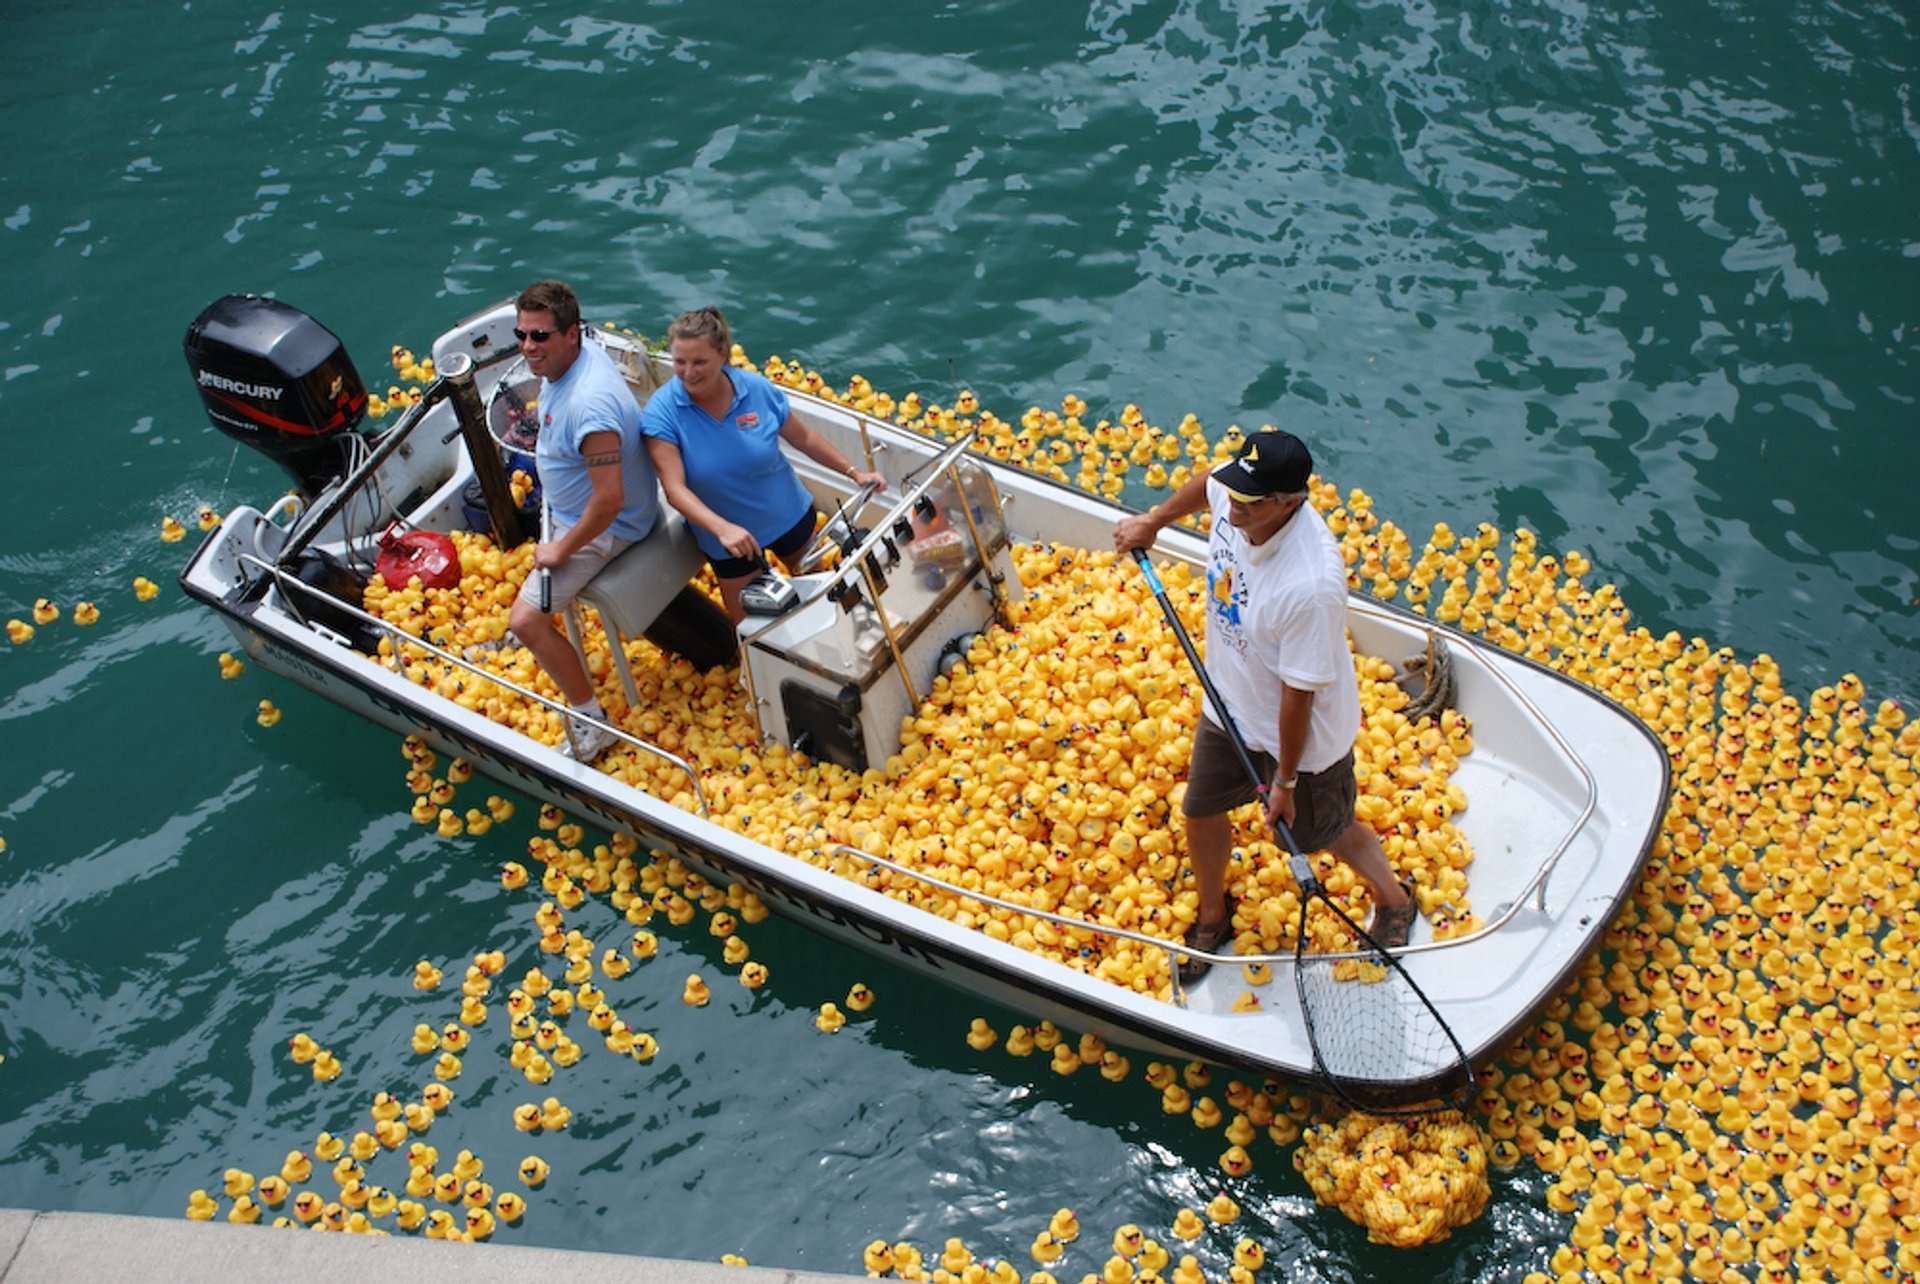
<point x="631" y="590"/>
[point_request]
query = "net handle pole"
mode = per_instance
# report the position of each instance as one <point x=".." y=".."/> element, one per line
<point x="1302" y="870"/>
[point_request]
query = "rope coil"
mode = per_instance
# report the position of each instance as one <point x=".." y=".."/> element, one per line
<point x="1427" y="680"/>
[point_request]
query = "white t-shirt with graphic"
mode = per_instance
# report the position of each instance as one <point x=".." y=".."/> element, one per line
<point x="1277" y="613"/>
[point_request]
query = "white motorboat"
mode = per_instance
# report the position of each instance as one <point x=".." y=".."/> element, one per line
<point x="1567" y="788"/>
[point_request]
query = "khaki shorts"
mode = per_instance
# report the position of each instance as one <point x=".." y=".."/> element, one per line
<point x="1217" y="783"/>
<point x="574" y="574"/>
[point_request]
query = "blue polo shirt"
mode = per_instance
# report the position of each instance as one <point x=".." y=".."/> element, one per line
<point x="592" y="396"/>
<point x="733" y="463"/>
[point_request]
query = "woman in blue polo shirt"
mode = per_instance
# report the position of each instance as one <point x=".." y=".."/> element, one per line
<point x="714" y="434"/>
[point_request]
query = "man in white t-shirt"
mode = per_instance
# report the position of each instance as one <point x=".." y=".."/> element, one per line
<point x="1277" y="652"/>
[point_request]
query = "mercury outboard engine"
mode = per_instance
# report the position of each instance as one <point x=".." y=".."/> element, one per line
<point x="273" y="377"/>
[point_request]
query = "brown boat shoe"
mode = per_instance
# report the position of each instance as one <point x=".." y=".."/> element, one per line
<point x="1391" y="927"/>
<point x="1209" y="937"/>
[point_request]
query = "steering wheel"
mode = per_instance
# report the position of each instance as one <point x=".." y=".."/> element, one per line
<point x="810" y="558"/>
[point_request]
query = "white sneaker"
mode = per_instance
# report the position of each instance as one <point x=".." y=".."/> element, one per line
<point x="589" y="741"/>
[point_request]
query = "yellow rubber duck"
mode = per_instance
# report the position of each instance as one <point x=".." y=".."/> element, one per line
<point x="326" y="1067"/>
<point x="1114" y="1067"/>
<point x="408" y="1214"/>
<point x="307" y="1207"/>
<point x="859" y="997"/>
<point x="526" y="1117"/>
<point x="533" y="1171"/>
<point x="1065" y="1059"/>
<point x="245" y="1211"/>
<point x="695" y="994"/>
<point x="296" y="1168"/>
<point x="85" y="613"/>
<point x="45" y="611"/>
<point x="753" y="975"/>
<point x="645" y="1046"/>
<point x="303" y="1048"/>
<point x="425" y="976"/>
<point x="878" y="1258"/>
<point x="144" y="589"/>
<point x="1188" y="1272"/>
<point x="450" y="826"/>
<point x="364" y="1146"/>
<point x="553" y="1115"/>
<point x="1221" y="1209"/>
<point x="645" y="945"/>
<point x="956" y="1257"/>
<point x="268" y="715"/>
<point x="480" y="1222"/>
<point x="1118" y="1270"/>
<point x="1128" y="1240"/>
<point x="981" y="1036"/>
<point x="1206" y="1113"/>
<point x="172" y="531"/>
<point x="207" y="519"/>
<point x="201" y="1206"/>
<point x="1046" y="1248"/>
<point x="499" y="808"/>
<point x="831" y="1018"/>
<point x="1248" y="1255"/>
<point x="510" y="1207"/>
<point x="1064" y="1226"/>
<point x="19" y="632"/>
<point x="447" y="1067"/>
<point x="1188" y="1225"/>
<point x="436" y="1097"/>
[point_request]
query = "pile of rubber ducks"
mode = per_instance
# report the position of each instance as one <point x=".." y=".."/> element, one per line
<point x="1408" y="1183"/>
<point x="1044" y="771"/>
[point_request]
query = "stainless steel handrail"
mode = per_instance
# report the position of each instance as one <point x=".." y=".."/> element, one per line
<point x="400" y="637"/>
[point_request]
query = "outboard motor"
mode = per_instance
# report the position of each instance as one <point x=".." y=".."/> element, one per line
<point x="273" y="377"/>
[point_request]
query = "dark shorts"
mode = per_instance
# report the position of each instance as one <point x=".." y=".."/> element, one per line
<point x="733" y="568"/>
<point x="1217" y="783"/>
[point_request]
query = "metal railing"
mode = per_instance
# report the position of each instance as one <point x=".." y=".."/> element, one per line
<point x="399" y="637"/>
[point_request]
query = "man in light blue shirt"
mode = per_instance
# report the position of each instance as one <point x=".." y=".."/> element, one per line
<point x="600" y="486"/>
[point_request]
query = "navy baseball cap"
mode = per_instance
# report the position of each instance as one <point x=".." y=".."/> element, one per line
<point x="1272" y="462"/>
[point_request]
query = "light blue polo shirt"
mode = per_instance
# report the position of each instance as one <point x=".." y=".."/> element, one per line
<point x="592" y="396"/>
<point x="733" y="463"/>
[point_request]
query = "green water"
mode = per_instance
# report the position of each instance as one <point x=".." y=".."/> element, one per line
<point x="1640" y="279"/>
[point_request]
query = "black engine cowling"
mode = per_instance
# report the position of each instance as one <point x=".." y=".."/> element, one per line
<point x="273" y="377"/>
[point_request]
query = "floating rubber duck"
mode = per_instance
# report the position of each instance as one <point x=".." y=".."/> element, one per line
<point x="326" y="1066"/>
<point x="425" y="976"/>
<point x="753" y="975"/>
<point x="231" y="666"/>
<point x="859" y="997"/>
<point x="144" y="589"/>
<point x="981" y="1036"/>
<point x="480" y="1222"/>
<point x="308" y="1207"/>
<point x="364" y="1146"/>
<point x="45" y="611"/>
<point x="172" y="531"/>
<point x="303" y="1048"/>
<point x="1065" y="1060"/>
<point x="1248" y="1255"/>
<point x="553" y="1115"/>
<point x="447" y="1067"/>
<point x="1188" y="1225"/>
<point x="526" y="1117"/>
<point x="1235" y="1162"/>
<point x="510" y="1207"/>
<point x="19" y="632"/>
<point x="956" y="1256"/>
<point x="645" y="1046"/>
<point x="85" y="613"/>
<point x="499" y="808"/>
<point x="1064" y="1226"/>
<point x="831" y="1018"/>
<point x="878" y="1257"/>
<point x="207" y="519"/>
<point x="1221" y="1209"/>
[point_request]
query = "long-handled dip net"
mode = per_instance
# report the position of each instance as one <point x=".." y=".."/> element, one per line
<point x="1377" y="1041"/>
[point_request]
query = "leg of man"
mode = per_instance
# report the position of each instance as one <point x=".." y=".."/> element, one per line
<point x="1360" y="848"/>
<point x="1209" y="847"/>
<point x="551" y="649"/>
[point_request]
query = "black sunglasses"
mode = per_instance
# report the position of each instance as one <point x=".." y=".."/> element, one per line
<point x="538" y="336"/>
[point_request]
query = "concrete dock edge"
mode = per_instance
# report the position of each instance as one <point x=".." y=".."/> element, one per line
<point x="107" y="1248"/>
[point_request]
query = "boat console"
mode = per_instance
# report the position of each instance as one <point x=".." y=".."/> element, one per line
<point x="834" y="676"/>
